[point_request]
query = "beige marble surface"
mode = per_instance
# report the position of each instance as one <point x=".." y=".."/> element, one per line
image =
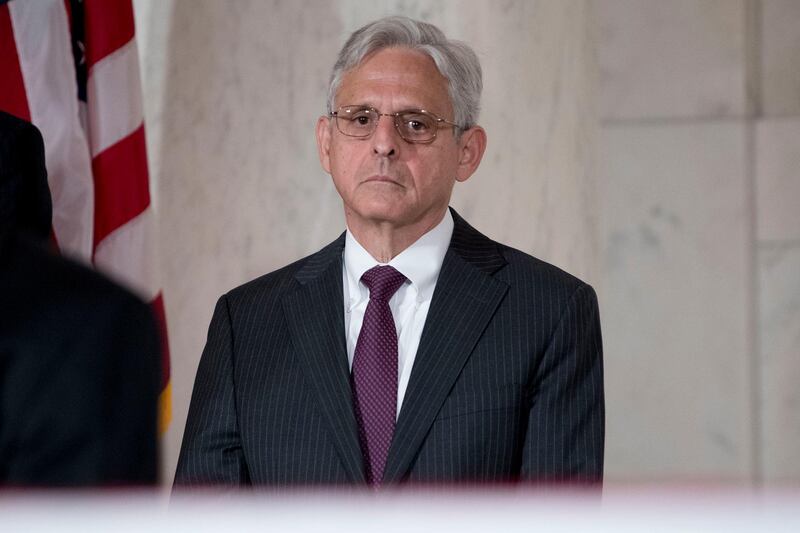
<point x="779" y="351"/>
<point x="674" y="302"/>
<point x="780" y="57"/>
<point x="679" y="58"/>
<point x="720" y="299"/>
<point x="778" y="262"/>
<point x="232" y="91"/>
<point x="778" y="179"/>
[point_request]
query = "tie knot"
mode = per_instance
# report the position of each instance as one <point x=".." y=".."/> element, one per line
<point x="383" y="282"/>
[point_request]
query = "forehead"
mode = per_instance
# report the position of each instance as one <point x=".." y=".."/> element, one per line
<point x="398" y="77"/>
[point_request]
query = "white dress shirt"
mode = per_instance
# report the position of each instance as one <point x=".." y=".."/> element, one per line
<point x="420" y="263"/>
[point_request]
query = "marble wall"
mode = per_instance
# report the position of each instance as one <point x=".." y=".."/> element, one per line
<point x="232" y="91"/>
<point x="700" y="291"/>
<point x="777" y="184"/>
<point x="778" y="287"/>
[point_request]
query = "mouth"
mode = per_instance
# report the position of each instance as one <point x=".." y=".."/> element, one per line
<point x="380" y="178"/>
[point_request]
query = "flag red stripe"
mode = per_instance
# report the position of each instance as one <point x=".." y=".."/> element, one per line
<point x="161" y="322"/>
<point x="120" y="184"/>
<point x="109" y="25"/>
<point x="12" y="97"/>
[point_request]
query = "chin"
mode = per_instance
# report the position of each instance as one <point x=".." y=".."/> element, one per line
<point x="381" y="210"/>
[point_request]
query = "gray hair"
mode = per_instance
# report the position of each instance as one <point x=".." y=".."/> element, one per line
<point x="455" y="60"/>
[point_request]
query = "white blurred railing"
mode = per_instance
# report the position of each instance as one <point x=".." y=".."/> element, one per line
<point x="618" y="510"/>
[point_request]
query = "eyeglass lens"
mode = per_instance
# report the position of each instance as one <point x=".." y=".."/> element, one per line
<point x="413" y="126"/>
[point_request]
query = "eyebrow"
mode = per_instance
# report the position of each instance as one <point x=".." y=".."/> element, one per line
<point x="403" y="110"/>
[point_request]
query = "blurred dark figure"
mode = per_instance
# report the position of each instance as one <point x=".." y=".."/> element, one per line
<point x="79" y="356"/>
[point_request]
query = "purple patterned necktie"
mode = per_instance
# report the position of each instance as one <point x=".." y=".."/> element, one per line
<point x="375" y="371"/>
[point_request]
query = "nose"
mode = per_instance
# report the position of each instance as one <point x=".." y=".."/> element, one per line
<point x="385" y="140"/>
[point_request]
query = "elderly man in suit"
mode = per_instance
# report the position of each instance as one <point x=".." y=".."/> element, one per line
<point x="412" y="349"/>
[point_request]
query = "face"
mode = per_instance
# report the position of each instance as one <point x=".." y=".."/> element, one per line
<point x="384" y="179"/>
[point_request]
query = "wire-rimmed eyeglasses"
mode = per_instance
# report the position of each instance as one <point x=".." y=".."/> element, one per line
<point x="413" y="125"/>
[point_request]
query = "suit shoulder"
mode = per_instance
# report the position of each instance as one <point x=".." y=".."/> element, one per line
<point x="36" y="270"/>
<point x="277" y="281"/>
<point x="525" y="267"/>
<point x="16" y="129"/>
<point x="513" y="266"/>
<point x="53" y="302"/>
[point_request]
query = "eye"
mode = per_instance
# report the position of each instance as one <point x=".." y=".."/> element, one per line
<point x="417" y="123"/>
<point x="361" y="117"/>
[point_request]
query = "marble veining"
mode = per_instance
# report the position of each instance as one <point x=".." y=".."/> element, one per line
<point x="779" y="352"/>
<point x="673" y="299"/>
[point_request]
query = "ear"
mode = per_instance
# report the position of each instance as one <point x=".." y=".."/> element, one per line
<point x="324" y="142"/>
<point x="472" y="145"/>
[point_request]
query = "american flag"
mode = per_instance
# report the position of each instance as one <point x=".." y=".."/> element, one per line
<point x="71" y="68"/>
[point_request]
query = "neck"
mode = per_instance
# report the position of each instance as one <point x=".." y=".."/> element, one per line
<point x="384" y="240"/>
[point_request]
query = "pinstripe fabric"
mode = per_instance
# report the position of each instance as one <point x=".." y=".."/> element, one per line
<point x="507" y="384"/>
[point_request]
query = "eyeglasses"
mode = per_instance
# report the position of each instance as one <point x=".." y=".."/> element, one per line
<point x="413" y="125"/>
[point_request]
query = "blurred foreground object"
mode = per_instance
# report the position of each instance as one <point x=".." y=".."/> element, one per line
<point x="72" y="69"/>
<point x="635" y="509"/>
<point x="79" y="356"/>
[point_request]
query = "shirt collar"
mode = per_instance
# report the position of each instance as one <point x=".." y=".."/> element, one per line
<point x="420" y="263"/>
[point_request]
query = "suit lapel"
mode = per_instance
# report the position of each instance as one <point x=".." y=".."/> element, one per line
<point x="464" y="301"/>
<point x="314" y="313"/>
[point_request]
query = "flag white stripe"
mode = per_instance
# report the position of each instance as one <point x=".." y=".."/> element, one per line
<point x="120" y="256"/>
<point x="114" y="97"/>
<point x="41" y="31"/>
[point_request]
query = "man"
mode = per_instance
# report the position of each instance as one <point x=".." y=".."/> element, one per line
<point x="412" y="349"/>
<point x="79" y="356"/>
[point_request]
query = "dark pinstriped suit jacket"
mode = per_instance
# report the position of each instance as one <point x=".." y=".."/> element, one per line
<point x="507" y="384"/>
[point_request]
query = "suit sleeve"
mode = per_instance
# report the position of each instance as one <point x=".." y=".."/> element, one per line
<point x="211" y="453"/>
<point x="566" y="424"/>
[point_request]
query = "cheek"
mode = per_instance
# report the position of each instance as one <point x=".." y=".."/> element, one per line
<point x="434" y="175"/>
<point x="343" y="163"/>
